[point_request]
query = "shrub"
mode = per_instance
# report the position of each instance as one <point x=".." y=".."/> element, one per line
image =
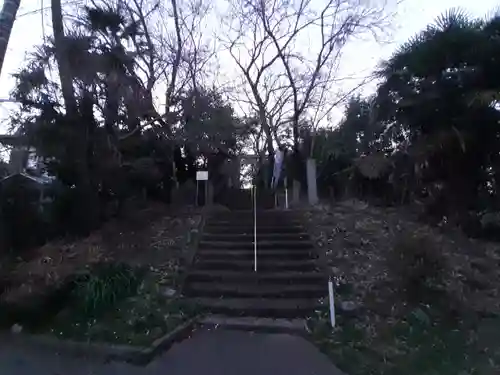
<point x="22" y="223"/>
<point x="104" y="286"/>
<point x="418" y="266"/>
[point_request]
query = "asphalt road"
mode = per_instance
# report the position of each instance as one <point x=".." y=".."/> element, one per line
<point x="218" y="352"/>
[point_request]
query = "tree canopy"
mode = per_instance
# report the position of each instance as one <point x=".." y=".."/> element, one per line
<point x="115" y="144"/>
<point x="90" y="105"/>
<point x="435" y="114"/>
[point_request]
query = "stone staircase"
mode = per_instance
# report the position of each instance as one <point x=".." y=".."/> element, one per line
<point x="288" y="283"/>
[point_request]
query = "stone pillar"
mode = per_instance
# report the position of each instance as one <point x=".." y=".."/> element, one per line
<point x="312" y="189"/>
<point x="209" y="198"/>
<point x="18" y="159"/>
<point x="296" y="192"/>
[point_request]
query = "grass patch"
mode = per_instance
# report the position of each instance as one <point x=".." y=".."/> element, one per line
<point x="417" y="266"/>
<point x="345" y="344"/>
<point x="114" y="294"/>
<point x="104" y="286"/>
<point x="415" y="345"/>
<point x="137" y="319"/>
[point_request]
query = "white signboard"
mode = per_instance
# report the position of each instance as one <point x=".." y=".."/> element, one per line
<point x="201" y="175"/>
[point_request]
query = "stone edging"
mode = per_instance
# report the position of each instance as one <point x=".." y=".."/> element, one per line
<point x="126" y="353"/>
<point x="295" y="327"/>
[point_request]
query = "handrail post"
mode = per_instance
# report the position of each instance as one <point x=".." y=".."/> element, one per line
<point x="331" y="302"/>
<point x="286" y="193"/>
<point x="255" y="228"/>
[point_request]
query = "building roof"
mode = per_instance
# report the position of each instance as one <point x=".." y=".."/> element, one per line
<point x="41" y="180"/>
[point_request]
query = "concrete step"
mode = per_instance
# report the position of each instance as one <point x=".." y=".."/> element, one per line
<point x="256" y="324"/>
<point x="261" y="245"/>
<point x="219" y="289"/>
<point x="260" y="211"/>
<point x="260" y="277"/>
<point x="248" y="254"/>
<point x="267" y="307"/>
<point x="261" y="214"/>
<point x="249" y="237"/>
<point x="278" y="222"/>
<point x="237" y="228"/>
<point x="206" y="263"/>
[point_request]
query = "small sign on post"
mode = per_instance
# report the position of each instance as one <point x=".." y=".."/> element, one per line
<point x="201" y="176"/>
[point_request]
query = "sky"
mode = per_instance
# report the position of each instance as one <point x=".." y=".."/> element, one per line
<point x="412" y="16"/>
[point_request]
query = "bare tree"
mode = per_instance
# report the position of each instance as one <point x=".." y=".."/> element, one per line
<point x="199" y="50"/>
<point x="174" y="57"/>
<point x="331" y="26"/>
<point x="164" y="52"/>
<point x="301" y="42"/>
<point x="249" y="46"/>
<point x="274" y="103"/>
<point x="323" y="104"/>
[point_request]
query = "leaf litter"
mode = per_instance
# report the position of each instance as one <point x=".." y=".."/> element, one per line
<point x="389" y="334"/>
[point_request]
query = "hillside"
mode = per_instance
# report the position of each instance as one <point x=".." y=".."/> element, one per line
<point x="411" y="299"/>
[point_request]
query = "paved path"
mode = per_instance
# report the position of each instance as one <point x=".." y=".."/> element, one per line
<point x="217" y="352"/>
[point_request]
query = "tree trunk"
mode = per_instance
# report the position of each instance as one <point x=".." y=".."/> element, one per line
<point x="297" y="162"/>
<point x="87" y="207"/>
<point x="7" y="17"/>
<point x="269" y="139"/>
<point x="296" y="135"/>
<point x="64" y="66"/>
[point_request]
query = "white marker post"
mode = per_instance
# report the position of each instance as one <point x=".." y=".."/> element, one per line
<point x="286" y="194"/>
<point x="332" y="302"/>
<point x="255" y="228"/>
<point x="201" y="176"/>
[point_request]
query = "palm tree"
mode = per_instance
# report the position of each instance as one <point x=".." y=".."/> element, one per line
<point x="437" y="90"/>
<point x="81" y="120"/>
<point x="7" y="17"/>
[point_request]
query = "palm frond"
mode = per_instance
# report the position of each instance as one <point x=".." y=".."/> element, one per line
<point x="102" y="18"/>
<point x="453" y="39"/>
<point x="454" y="18"/>
<point x="491" y="25"/>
